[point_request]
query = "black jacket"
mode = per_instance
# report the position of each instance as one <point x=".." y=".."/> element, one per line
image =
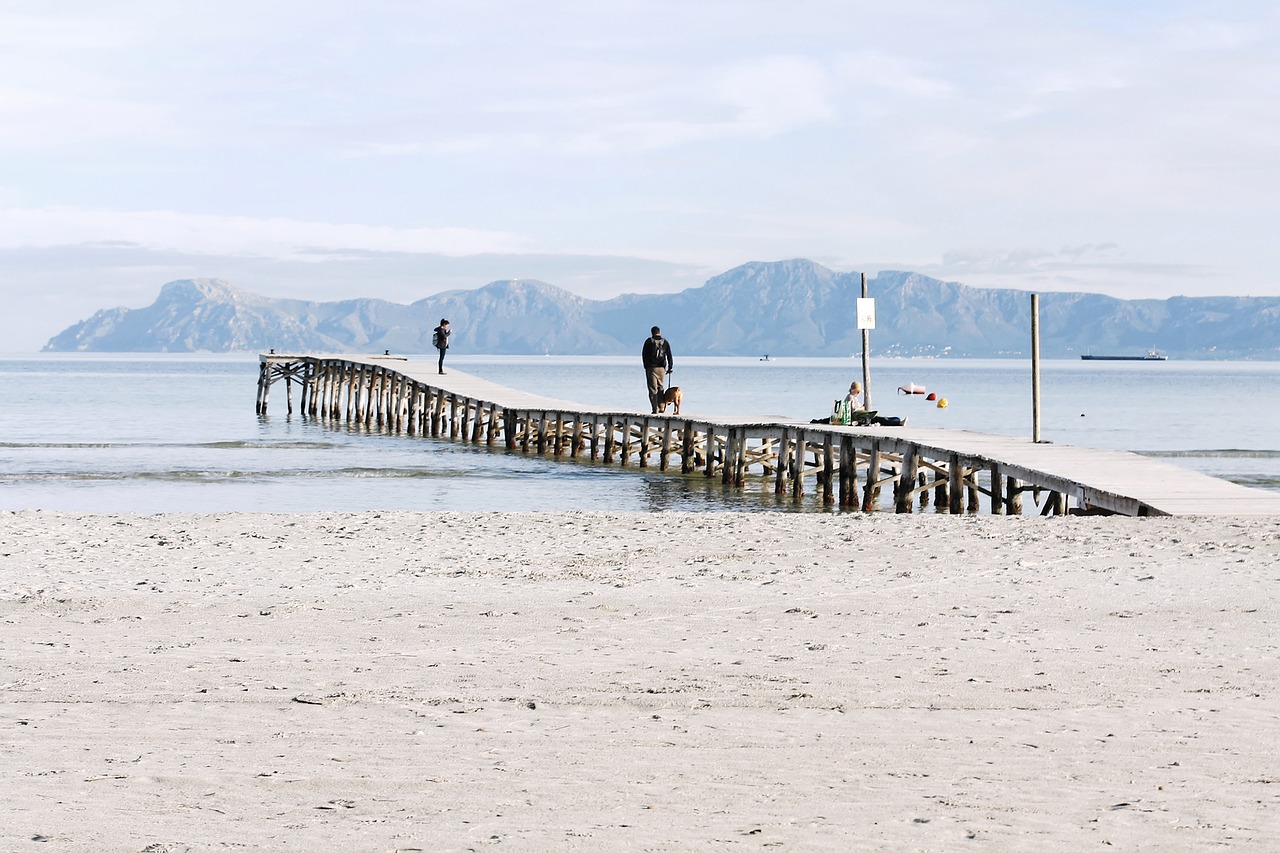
<point x="657" y="353"/>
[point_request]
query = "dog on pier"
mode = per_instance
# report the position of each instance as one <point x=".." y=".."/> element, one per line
<point x="672" y="397"/>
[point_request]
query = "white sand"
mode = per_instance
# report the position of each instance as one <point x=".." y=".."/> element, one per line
<point x="584" y="682"/>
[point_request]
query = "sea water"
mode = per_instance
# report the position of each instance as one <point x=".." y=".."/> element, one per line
<point x="152" y="433"/>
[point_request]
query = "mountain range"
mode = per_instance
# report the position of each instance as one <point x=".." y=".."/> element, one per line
<point x="783" y="308"/>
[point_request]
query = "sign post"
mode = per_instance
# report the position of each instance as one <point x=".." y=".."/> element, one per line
<point x="1035" y="367"/>
<point x="866" y="322"/>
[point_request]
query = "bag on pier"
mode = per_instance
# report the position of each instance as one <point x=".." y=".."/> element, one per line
<point x="842" y="413"/>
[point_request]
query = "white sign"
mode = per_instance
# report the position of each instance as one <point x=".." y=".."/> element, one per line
<point x="866" y="313"/>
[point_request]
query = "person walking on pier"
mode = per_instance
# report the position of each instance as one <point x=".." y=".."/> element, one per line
<point x="657" y="363"/>
<point x="440" y="340"/>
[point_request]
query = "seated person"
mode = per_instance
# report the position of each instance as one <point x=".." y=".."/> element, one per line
<point x="852" y="411"/>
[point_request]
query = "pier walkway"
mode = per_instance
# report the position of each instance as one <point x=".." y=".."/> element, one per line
<point x="892" y="468"/>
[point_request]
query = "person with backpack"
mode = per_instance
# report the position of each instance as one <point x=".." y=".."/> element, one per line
<point x="656" y="354"/>
<point x="440" y="340"/>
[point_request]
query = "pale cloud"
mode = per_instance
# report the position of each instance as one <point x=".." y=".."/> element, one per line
<point x="637" y="109"/>
<point x="903" y="75"/>
<point x="31" y="34"/>
<point x="1096" y="74"/>
<point x="38" y="120"/>
<point x="776" y="94"/>
<point x="1202" y="33"/>
<point x="1090" y="268"/>
<point x="1030" y="260"/>
<point x="278" y="237"/>
<point x="383" y="149"/>
<point x="51" y="94"/>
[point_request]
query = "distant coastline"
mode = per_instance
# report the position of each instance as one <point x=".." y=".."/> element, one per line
<point x="793" y="308"/>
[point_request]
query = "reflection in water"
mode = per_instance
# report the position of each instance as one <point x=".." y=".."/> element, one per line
<point x="694" y="492"/>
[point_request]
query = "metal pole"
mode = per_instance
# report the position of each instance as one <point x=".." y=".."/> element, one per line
<point x="1035" y="367"/>
<point x="866" y="353"/>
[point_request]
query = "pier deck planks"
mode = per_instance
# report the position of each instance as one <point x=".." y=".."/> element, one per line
<point x="1114" y="478"/>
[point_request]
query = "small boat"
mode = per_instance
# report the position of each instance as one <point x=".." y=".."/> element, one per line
<point x="1152" y="355"/>
<point x="911" y="388"/>
<point x="766" y="357"/>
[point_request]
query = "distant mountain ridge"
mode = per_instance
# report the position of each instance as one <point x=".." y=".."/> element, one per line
<point x="784" y="308"/>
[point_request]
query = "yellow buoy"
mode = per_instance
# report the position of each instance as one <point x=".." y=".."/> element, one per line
<point x="942" y="403"/>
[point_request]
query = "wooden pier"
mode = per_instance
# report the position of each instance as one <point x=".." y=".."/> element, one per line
<point x="867" y="468"/>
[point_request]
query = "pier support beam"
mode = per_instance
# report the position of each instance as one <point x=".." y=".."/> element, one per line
<point x="905" y="488"/>
<point x="710" y="453"/>
<point x="376" y="393"/>
<point x="828" y="469"/>
<point x="871" y="494"/>
<point x="955" y="477"/>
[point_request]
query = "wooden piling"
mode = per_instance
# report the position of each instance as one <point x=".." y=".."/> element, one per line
<point x="710" y="453"/>
<point x="378" y="394"/>
<point x="871" y="492"/>
<point x="906" y="480"/>
<point x="1013" y="491"/>
<point x="784" y="462"/>
<point x="797" y="464"/>
<point x="828" y="469"/>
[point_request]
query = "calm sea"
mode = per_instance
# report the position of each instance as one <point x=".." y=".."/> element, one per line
<point x="144" y="433"/>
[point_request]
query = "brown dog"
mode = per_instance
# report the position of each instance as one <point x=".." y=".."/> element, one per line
<point x="672" y="397"/>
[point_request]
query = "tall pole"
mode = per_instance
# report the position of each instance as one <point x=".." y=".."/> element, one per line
<point x="1035" y="367"/>
<point x="866" y="353"/>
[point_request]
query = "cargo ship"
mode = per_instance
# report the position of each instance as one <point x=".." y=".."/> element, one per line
<point x="1151" y="355"/>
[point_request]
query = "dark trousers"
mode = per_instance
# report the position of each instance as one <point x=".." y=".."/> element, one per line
<point x="440" y="363"/>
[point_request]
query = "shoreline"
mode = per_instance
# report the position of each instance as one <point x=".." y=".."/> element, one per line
<point x="657" y="681"/>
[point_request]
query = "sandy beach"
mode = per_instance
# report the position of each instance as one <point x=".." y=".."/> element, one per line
<point x="580" y="681"/>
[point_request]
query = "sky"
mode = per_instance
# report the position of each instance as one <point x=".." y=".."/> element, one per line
<point x="394" y="149"/>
